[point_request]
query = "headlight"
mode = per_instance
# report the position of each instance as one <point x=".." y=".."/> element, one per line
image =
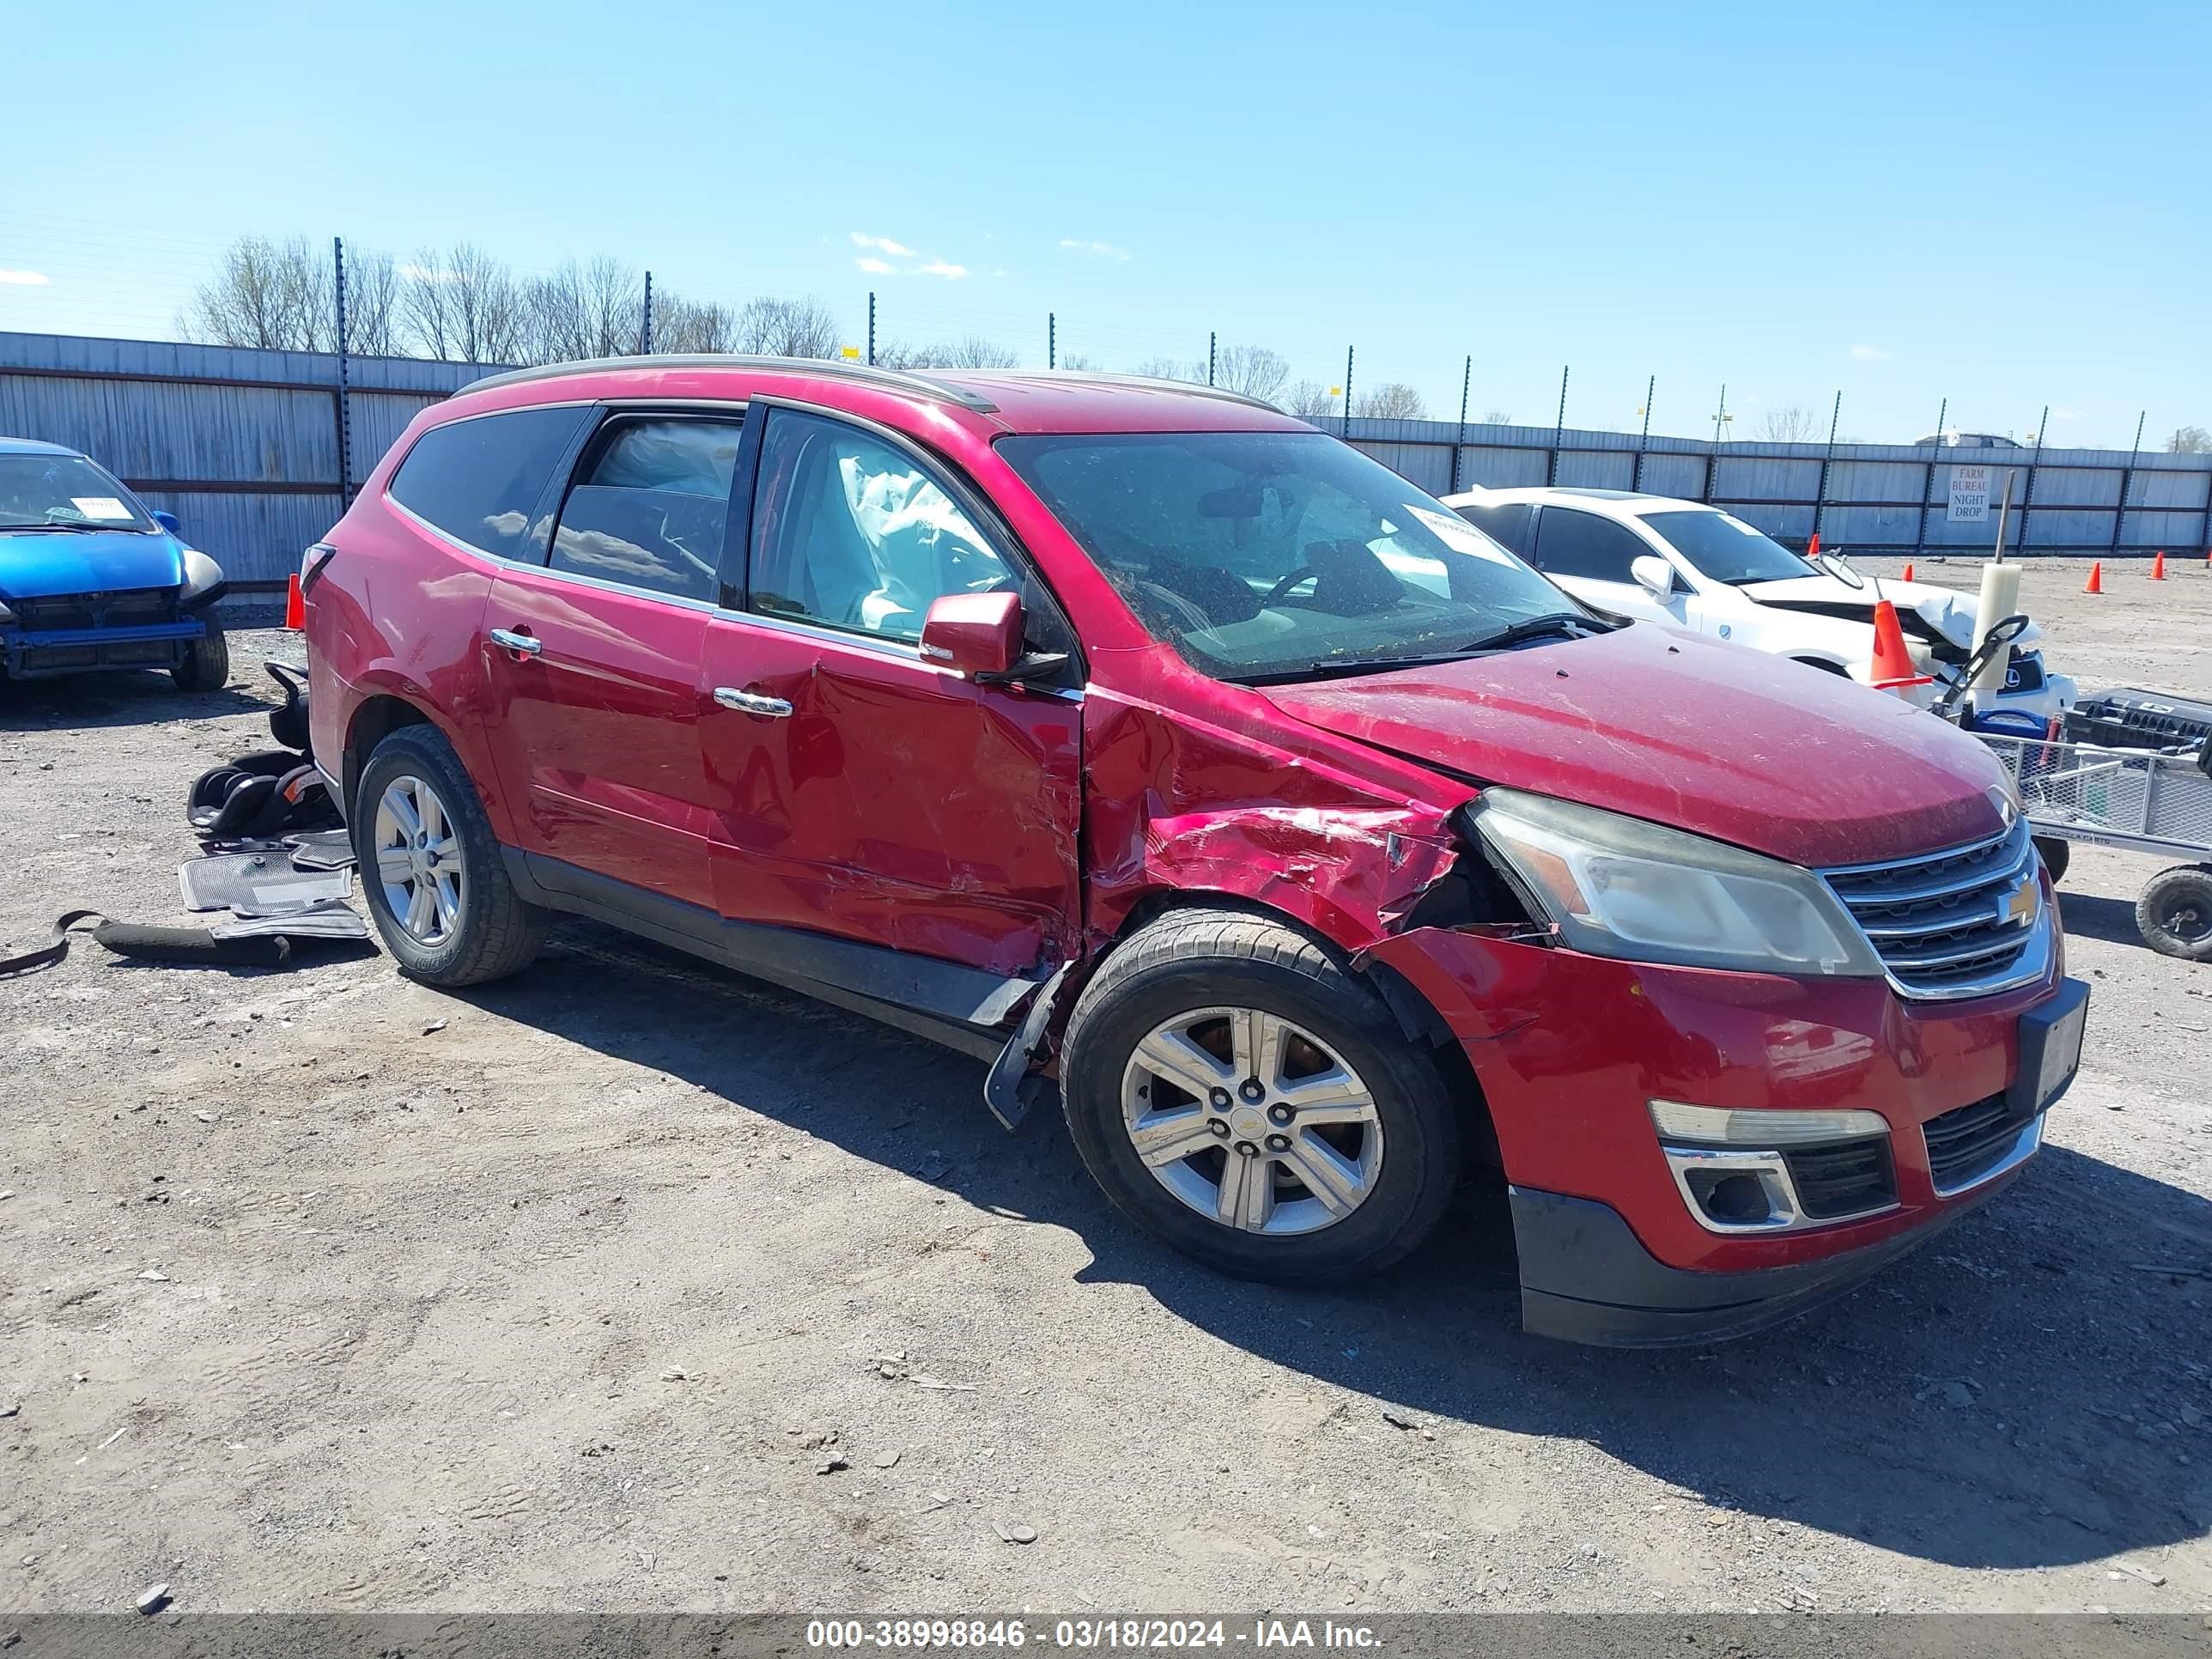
<point x="203" y="576"/>
<point x="1620" y="887"/>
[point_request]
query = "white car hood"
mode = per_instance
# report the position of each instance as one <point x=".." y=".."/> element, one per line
<point x="1951" y="614"/>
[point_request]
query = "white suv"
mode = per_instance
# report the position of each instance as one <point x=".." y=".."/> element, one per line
<point x="1699" y="568"/>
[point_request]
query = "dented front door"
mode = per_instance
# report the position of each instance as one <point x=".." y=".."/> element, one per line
<point x="860" y="792"/>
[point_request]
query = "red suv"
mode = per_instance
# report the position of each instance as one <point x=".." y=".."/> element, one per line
<point x="1140" y="737"/>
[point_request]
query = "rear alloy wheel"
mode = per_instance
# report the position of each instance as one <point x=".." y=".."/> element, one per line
<point x="431" y="869"/>
<point x="1249" y="1119"/>
<point x="419" y="860"/>
<point x="1243" y="1095"/>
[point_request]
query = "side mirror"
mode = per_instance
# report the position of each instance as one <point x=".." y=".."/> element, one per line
<point x="168" y="522"/>
<point x="1654" y="575"/>
<point x="1841" y="569"/>
<point x="974" y="634"/>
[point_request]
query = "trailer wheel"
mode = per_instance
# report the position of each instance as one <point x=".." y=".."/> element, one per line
<point x="2175" y="912"/>
<point x="2057" y="855"/>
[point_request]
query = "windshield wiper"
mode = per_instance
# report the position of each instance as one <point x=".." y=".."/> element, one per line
<point x="1337" y="668"/>
<point x="1558" y="623"/>
<point x="65" y="524"/>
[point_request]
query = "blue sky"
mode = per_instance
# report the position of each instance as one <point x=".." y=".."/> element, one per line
<point x="2003" y="206"/>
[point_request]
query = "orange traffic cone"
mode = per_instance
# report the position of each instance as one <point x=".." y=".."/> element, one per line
<point x="2096" y="582"/>
<point x="2158" y="567"/>
<point x="1813" y="547"/>
<point x="1894" y="670"/>
<point x="296" y="606"/>
<point x="1908" y="570"/>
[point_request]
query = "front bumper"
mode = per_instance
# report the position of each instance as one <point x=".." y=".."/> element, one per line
<point x="1585" y="1278"/>
<point x="35" y="654"/>
<point x="1569" y="1051"/>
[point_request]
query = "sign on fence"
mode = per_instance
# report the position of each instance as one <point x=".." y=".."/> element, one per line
<point x="1970" y="495"/>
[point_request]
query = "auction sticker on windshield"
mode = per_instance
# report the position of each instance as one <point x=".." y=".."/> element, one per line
<point x="1460" y="536"/>
<point x="100" y="507"/>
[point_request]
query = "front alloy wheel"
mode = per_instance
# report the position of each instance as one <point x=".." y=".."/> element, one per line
<point x="1251" y="1120"/>
<point x="419" y="861"/>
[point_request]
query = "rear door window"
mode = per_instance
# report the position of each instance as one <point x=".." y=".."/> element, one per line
<point x="650" y="504"/>
<point x="1507" y="525"/>
<point x="480" y="480"/>
<point x="1572" y="543"/>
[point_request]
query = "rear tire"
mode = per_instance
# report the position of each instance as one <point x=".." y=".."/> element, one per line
<point x="2175" y="912"/>
<point x="1357" y="1170"/>
<point x="206" y="666"/>
<point x="431" y="867"/>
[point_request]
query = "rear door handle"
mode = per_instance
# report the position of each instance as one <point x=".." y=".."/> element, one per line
<point x="749" y="703"/>
<point x="528" y="645"/>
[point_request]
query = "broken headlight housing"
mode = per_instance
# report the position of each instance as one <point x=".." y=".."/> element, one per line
<point x="1617" y="886"/>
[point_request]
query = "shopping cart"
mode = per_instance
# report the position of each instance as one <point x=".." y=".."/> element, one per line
<point x="2143" y="799"/>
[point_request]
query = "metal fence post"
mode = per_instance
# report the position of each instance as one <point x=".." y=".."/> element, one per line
<point x="644" y="320"/>
<point x="1636" y="478"/>
<point x="1212" y="344"/>
<point x="2027" y="497"/>
<point x="1559" y="431"/>
<point x="1347" y="391"/>
<point x="345" y="396"/>
<point x="2127" y="483"/>
<point x="1828" y="460"/>
<point x="1927" y="482"/>
<point x="1466" y="382"/>
<point x="872" y="330"/>
<point x="1051" y="340"/>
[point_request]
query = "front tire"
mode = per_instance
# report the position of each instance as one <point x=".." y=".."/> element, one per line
<point x="431" y="867"/>
<point x="1244" y="1097"/>
<point x="206" y="666"/>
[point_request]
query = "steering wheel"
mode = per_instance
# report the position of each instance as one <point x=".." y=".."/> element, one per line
<point x="1304" y="573"/>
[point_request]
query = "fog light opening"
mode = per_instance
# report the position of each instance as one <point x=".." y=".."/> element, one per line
<point x="1735" y="1197"/>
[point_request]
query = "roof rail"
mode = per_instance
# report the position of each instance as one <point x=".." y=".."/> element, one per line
<point x="1092" y="377"/>
<point x="889" y="378"/>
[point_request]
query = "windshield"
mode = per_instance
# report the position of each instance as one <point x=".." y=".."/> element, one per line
<point x="1273" y="554"/>
<point x="64" y="489"/>
<point x="1725" y="548"/>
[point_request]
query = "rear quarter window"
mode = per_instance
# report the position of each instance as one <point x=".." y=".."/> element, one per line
<point x="480" y="480"/>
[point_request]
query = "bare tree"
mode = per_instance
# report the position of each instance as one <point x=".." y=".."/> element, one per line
<point x="1252" y="371"/>
<point x="1793" y="424"/>
<point x="1497" y="417"/>
<point x="786" y="328"/>
<point x="2190" y="440"/>
<point x="274" y="295"/>
<point x="1169" y="368"/>
<point x="973" y="352"/>
<point x="1309" y="399"/>
<point x="582" y="310"/>
<point x="680" y="324"/>
<point x="1077" y="361"/>
<point x="466" y="307"/>
<point x="372" y="304"/>
<point x="1393" y="400"/>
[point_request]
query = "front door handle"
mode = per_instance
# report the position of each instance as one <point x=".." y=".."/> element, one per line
<point x="750" y="702"/>
<point x="523" y="644"/>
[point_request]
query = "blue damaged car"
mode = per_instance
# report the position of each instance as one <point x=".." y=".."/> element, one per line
<point x="91" y="579"/>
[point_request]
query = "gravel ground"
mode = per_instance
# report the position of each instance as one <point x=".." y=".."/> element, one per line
<point x="627" y="1284"/>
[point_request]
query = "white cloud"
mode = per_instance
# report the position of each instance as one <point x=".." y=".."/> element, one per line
<point x="876" y="267"/>
<point x="883" y="244"/>
<point x="944" y="268"/>
<point x="1867" y="354"/>
<point x="1101" y="250"/>
<point x="25" y="278"/>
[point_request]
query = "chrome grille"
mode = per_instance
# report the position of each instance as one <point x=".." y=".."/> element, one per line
<point x="1954" y="923"/>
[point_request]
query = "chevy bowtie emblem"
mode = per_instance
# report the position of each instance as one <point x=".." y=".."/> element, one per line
<point x="2020" y="908"/>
